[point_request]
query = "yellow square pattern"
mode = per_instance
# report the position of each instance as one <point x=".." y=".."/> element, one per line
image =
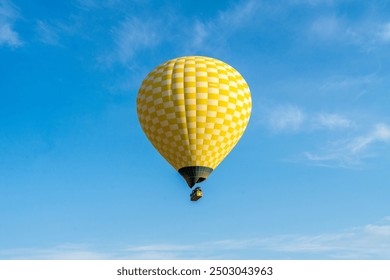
<point x="194" y="110"/>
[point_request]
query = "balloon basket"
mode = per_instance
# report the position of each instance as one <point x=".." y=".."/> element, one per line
<point x="196" y="194"/>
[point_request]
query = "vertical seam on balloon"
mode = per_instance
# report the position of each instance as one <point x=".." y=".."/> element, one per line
<point x="185" y="111"/>
<point x="207" y="105"/>
<point x="174" y="91"/>
<point x="207" y="109"/>
<point x="196" y="112"/>
<point x="170" y="99"/>
<point x="237" y="78"/>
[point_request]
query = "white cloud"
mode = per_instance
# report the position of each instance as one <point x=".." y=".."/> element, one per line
<point x="323" y="157"/>
<point x="60" y="252"/>
<point x="221" y="27"/>
<point x="186" y="35"/>
<point x="327" y="27"/>
<point x="332" y="121"/>
<point x="200" y="35"/>
<point x="383" y="230"/>
<point x="348" y="83"/>
<point x="132" y="35"/>
<point x="349" y="152"/>
<point x="47" y="33"/>
<point x="160" y="247"/>
<point x="367" y="33"/>
<point x="286" y="118"/>
<point x="380" y="133"/>
<point x="371" y="241"/>
<point x="8" y="36"/>
<point x="346" y="151"/>
<point x="384" y="32"/>
<point x="8" y="15"/>
<point x="291" y="118"/>
<point x="238" y="15"/>
<point x="354" y="243"/>
<point x="336" y="154"/>
<point x="88" y="4"/>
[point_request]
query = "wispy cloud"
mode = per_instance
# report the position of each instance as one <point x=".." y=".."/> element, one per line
<point x="185" y="35"/>
<point x="366" y="33"/>
<point x="9" y="37"/>
<point x="196" y="250"/>
<point x="350" y="152"/>
<point x="170" y="30"/>
<point x="66" y="251"/>
<point x="380" y="133"/>
<point x="371" y="241"/>
<point x="201" y="32"/>
<point x="132" y="35"/>
<point x="384" y="32"/>
<point x="47" y="33"/>
<point x="366" y="242"/>
<point x="8" y="16"/>
<point x="286" y="118"/>
<point x="88" y="4"/>
<point x="383" y="230"/>
<point x="222" y="26"/>
<point x="160" y="247"/>
<point x="239" y="15"/>
<point x="332" y="121"/>
<point x="351" y="144"/>
<point x="349" y="83"/>
<point x="291" y="118"/>
<point x="327" y="27"/>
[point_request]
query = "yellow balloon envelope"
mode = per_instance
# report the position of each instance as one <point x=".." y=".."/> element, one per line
<point x="194" y="110"/>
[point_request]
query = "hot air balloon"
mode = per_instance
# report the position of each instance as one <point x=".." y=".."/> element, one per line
<point x="194" y="109"/>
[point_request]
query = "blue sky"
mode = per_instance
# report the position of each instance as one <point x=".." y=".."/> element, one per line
<point x="308" y="180"/>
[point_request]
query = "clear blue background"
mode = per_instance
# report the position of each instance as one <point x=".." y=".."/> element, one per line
<point x="308" y="180"/>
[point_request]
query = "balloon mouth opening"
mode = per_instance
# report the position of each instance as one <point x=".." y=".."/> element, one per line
<point x="201" y="179"/>
<point x="195" y="174"/>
